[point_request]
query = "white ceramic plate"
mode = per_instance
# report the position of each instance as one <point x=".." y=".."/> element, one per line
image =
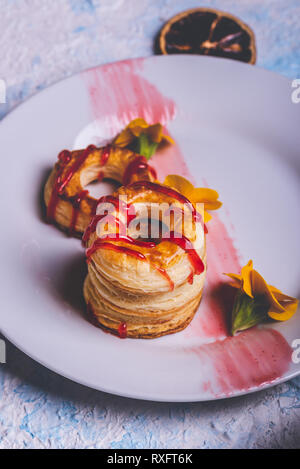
<point x="237" y="131"/>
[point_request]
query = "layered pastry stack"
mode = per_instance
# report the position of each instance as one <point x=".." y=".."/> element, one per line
<point x="145" y="244"/>
<point x="138" y="285"/>
<point x="145" y="288"/>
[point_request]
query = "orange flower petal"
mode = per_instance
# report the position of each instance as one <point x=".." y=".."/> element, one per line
<point x="138" y="122"/>
<point x="246" y="274"/>
<point x="274" y="289"/>
<point x="282" y="307"/>
<point x="282" y="297"/>
<point x="260" y="287"/>
<point x="207" y="196"/>
<point x="168" y="139"/>
<point x="138" y="126"/>
<point x="180" y="184"/>
<point x="212" y="205"/>
<point x="290" y="309"/>
<point x="155" y="132"/>
<point x="207" y="216"/>
<point x="138" y="130"/>
<point x="196" y="195"/>
<point x="124" y="138"/>
<point x="204" y="193"/>
<point x="236" y="280"/>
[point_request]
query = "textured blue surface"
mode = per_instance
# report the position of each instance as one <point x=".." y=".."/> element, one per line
<point x="44" y="41"/>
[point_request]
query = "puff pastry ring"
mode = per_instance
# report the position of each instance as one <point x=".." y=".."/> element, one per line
<point x="139" y="287"/>
<point x="69" y="205"/>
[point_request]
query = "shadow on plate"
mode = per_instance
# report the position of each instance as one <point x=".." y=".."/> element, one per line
<point x="68" y="283"/>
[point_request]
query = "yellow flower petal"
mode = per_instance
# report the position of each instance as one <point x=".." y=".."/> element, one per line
<point x="180" y="184"/>
<point x="200" y="193"/>
<point x="206" y="196"/>
<point x="282" y="297"/>
<point x="124" y="138"/>
<point x="137" y="130"/>
<point x="131" y="131"/>
<point x="207" y="216"/>
<point x="236" y="280"/>
<point x="138" y="126"/>
<point x="155" y="133"/>
<point x="289" y="310"/>
<point x="281" y="307"/>
<point x="274" y="289"/>
<point x="168" y="139"/>
<point x="195" y="194"/>
<point x="246" y="274"/>
<point x="211" y="205"/>
<point x="260" y="287"/>
<point x="138" y="122"/>
<point x="244" y="280"/>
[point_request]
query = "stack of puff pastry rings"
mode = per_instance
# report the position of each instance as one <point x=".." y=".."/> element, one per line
<point x="135" y="287"/>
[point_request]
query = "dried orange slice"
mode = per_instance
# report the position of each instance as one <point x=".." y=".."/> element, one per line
<point x="207" y="31"/>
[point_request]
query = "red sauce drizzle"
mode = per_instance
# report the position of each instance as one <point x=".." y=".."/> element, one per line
<point x="164" y="273"/>
<point x="116" y="201"/>
<point x="170" y="193"/>
<point x="76" y="201"/>
<point x="184" y="243"/>
<point x="64" y="157"/>
<point x="91" y="228"/>
<point x="177" y="210"/>
<point x="61" y="182"/>
<point x="99" y="244"/>
<point x="103" y="160"/>
<point x="105" y="155"/>
<point x="191" y="278"/>
<point x="122" y="330"/>
<point x="119" y="204"/>
<point x="180" y="240"/>
<point x="128" y="239"/>
<point x="136" y="166"/>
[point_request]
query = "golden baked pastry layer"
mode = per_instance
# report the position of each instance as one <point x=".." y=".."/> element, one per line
<point x="146" y="316"/>
<point x="152" y="295"/>
<point x="69" y="205"/>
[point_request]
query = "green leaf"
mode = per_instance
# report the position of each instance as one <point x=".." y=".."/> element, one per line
<point x="248" y="312"/>
<point x="143" y="146"/>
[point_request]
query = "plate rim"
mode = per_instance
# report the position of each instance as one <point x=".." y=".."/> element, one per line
<point x="139" y="396"/>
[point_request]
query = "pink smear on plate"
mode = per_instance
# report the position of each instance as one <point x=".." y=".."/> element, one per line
<point x="251" y="359"/>
<point x="119" y="93"/>
<point x="211" y="322"/>
<point x="218" y="297"/>
<point x="169" y="160"/>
